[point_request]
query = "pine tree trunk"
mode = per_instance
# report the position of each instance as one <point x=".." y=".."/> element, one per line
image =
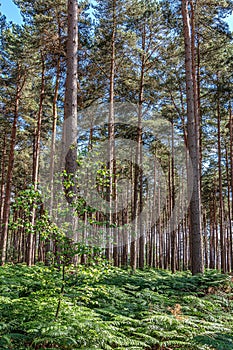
<point x="229" y="226"/>
<point x="35" y="175"/>
<point x="138" y="195"/>
<point x="6" y="207"/>
<point x="195" y="203"/>
<point x="48" y="245"/>
<point x="172" y="205"/>
<point x="70" y="107"/>
<point x="3" y="165"/>
<point x="220" y="188"/>
<point x="231" y="168"/>
<point x="111" y="139"/>
<point x="71" y="89"/>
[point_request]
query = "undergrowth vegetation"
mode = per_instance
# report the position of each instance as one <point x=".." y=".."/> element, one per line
<point x="102" y="307"/>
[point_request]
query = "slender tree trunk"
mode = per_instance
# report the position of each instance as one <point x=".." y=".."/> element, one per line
<point x="111" y="138"/>
<point x="69" y="157"/>
<point x="228" y="216"/>
<point x="71" y="89"/>
<point x="172" y="205"/>
<point x="195" y="203"/>
<point x="6" y="207"/>
<point x="54" y="133"/>
<point x="35" y="175"/>
<point x="206" y="246"/>
<point x="160" y="235"/>
<point x="48" y="246"/>
<point x="138" y="195"/>
<point x="3" y="161"/>
<point x="212" y="258"/>
<point x="196" y="80"/>
<point x="231" y="168"/>
<point x="220" y="188"/>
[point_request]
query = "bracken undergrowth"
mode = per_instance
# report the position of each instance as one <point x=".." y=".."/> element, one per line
<point x="103" y="307"/>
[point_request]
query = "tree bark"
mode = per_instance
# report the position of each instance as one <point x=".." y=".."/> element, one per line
<point x="220" y="188"/>
<point x="111" y="139"/>
<point x="194" y="173"/>
<point x="48" y="245"/>
<point x="69" y="156"/>
<point x="71" y="90"/>
<point x="138" y="200"/>
<point x="2" y="179"/>
<point x="172" y="205"/>
<point x="231" y="167"/>
<point x="35" y="175"/>
<point x="6" y="207"/>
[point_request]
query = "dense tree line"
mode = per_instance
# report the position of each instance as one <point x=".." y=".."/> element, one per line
<point x="72" y="62"/>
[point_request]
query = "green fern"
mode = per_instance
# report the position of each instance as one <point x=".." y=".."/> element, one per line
<point x="106" y="308"/>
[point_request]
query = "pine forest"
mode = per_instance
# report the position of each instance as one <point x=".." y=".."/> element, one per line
<point x="116" y="175"/>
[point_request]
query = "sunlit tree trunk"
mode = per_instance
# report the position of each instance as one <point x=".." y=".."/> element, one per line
<point x="70" y="112"/>
<point x="35" y="174"/>
<point x="48" y="246"/>
<point x="71" y="89"/>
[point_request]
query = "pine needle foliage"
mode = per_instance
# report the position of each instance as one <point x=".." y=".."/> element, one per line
<point x="106" y="308"/>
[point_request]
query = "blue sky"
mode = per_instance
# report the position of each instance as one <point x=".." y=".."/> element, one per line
<point x="11" y="11"/>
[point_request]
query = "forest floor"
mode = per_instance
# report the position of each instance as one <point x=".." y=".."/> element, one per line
<point x="102" y="307"/>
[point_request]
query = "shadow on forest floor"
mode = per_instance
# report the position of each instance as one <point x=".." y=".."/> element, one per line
<point x="219" y="341"/>
<point x="167" y="283"/>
